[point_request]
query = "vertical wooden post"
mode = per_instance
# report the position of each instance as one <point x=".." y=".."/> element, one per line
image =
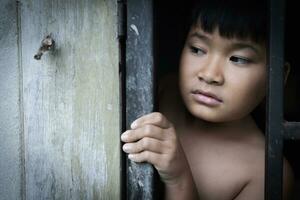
<point x="274" y="133"/>
<point x="139" y="88"/>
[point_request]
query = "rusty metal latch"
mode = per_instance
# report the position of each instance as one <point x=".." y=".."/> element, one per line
<point x="46" y="45"/>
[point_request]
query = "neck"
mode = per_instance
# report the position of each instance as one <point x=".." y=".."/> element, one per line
<point x="246" y="123"/>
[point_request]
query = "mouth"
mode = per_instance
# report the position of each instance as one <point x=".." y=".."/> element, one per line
<point x="206" y="98"/>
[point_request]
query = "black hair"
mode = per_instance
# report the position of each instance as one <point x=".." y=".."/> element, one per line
<point x="241" y="19"/>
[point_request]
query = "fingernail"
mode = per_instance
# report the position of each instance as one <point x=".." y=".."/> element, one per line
<point x="133" y="125"/>
<point x="124" y="136"/>
<point x="130" y="156"/>
<point x="126" y="147"/>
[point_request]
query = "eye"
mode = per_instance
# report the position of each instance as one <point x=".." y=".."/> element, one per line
<point x="240" y="60"/>
<point x="197" y="51"/>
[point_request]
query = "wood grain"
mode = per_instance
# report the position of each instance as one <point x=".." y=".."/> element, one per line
<point x="10" y="116"/>
<point x="70" y="99"/>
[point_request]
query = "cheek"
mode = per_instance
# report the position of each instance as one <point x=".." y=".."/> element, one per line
<point x="188" y="63"/>
<point x="248" y="92"/>
<point x="185" y="71"/>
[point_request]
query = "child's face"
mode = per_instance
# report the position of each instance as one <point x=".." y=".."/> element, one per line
<point x="221" y="79"/>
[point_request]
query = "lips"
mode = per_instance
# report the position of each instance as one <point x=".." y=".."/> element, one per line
<point x="206" y="98"/>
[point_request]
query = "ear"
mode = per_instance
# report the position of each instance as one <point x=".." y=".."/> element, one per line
<point x="287" y="69"/>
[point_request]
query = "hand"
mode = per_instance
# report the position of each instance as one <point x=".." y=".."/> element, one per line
<point x="153" y="139"/>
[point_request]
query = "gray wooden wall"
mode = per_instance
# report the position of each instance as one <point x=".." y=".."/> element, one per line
<point x="59" y="116"/>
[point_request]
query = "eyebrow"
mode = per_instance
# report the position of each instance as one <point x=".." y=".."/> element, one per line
<point x="235" y="45"/>
<point x="242" y="45"/>
<point x="200" y="36"/>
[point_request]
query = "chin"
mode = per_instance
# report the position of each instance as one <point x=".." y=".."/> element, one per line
<point x="213" y="119"/>
<point x="205" y="116"/>
<point x="211" y="115"/>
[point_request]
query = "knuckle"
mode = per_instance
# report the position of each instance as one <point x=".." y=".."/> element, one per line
<point x="148" y="129"/>
<point x="172" y="148"/>
<point x="145" y="142"/>
<point x="159" y="117"/>
<point x="146" y="155"/>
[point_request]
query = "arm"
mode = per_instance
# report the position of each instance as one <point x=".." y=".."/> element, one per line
<point x="153" y="139"/>
<point x="185" y="189"/>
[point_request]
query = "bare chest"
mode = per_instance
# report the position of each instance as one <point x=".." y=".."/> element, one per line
<point x="218" y="170"/>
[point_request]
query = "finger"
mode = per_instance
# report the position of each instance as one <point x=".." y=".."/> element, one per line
<point x="146" y="156"/>
<point x="145" y="144"/>
<point x="147" y="130"/>
<point x="154" y="118"/>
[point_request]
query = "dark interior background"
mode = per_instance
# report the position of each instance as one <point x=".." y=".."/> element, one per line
<point x="170" y="17"/>
<point x="292" y="88"/>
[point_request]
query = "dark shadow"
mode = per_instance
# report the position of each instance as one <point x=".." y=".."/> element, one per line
<point x="292" y="89"/>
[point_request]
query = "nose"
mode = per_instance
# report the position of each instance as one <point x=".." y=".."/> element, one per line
<point x="212" y="72"/>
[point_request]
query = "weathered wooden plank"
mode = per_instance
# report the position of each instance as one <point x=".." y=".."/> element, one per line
<point x="10" y="126"/>
<point x="139" y="88"/>
<point x="71" y="100"/>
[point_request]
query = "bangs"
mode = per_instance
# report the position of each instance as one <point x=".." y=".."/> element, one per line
<point x="241" y="19"/>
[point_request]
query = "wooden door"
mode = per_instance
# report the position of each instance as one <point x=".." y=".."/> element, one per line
<point x="59" y="116"/>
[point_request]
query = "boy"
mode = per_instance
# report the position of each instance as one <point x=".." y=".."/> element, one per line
<point x="204" y="142"/>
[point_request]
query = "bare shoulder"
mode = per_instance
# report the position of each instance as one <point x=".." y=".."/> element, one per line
<point x="254" y="153"/>
<point x="254" y="189"/>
